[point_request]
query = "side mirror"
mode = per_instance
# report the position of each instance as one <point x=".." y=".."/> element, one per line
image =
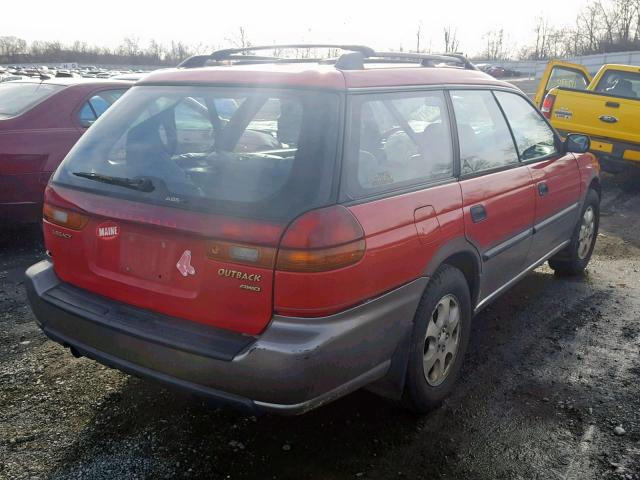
<point x="577" y="143"/>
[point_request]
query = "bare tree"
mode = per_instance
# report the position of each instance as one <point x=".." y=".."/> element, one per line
<point x="495" y="45"/>
<point x="450" y="40"/>
<point x="12" y="47"/>
<point x="240" y="39"/>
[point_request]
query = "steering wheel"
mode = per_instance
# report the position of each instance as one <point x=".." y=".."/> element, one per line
<point x="387" y="133"/>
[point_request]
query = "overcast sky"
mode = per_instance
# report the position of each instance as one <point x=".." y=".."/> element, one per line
<point x="380" y="24"/>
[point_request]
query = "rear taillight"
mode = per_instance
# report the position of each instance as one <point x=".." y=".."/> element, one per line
<point x="547" y="105"/>
<point x="64" y="218"/>
<point x="321" y="240"/>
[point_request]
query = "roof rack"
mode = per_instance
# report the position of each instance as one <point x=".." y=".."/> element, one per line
<point x="354" y="58"/>
<point x="232" y="54"/>
<point x="428" y="59"/>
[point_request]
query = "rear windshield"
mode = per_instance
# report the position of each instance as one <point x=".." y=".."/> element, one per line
<point x="17" y="97"/>
<point x="620" y="83"/>
<point x="249" y="152"/>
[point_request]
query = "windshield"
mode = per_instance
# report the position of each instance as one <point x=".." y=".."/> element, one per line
<point x="17" y="97"/>
<point x="249" y="152"/>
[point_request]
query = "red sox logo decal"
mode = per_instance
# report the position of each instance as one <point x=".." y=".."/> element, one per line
<point x="184" y="264"/>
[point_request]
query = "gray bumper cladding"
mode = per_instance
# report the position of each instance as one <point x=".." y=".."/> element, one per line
<point x="295" y="365"/>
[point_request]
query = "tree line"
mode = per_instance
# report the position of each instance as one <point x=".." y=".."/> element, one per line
<point x="129" y="52"/>
<point x="600" y="27"/>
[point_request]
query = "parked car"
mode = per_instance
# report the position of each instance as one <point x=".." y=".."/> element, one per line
<point x="605" y="107"/>
<point x="337" y="230"/>
<point x="39" y="123"/>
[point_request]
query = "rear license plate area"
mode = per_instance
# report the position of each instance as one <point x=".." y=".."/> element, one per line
<point x="147" y="258"/>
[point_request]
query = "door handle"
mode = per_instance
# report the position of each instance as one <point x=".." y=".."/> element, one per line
<point x="608" y="118"/>
<point x="543" y="189"/>
<point x="478" y="213"/>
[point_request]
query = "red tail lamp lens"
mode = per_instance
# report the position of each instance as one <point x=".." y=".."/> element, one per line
<point x="321" y="240"/>
<point x="547" y="105"/>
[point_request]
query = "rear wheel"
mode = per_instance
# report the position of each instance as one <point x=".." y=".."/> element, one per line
<point x="575" y="258"/>
<point x="440" y="338"/>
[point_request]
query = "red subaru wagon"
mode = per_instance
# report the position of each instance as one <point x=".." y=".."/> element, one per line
<point x="275" y="233"/>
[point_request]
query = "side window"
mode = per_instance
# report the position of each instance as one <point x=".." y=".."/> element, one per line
<point x="397" y="140"/>
<point x="97" y="105"/>
<point x="567" y="78"/>
<point x="534" y="137"/>
<point x="483" y="134"/>
<point x="87" y="115"/>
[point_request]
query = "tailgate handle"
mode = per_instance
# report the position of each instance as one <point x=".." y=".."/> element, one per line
<point x="612" y="104"/>
<point x="608" y="119"/>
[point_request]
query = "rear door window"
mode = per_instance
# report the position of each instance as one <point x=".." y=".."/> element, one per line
<point x="620" y="83"/>
<point x="567" y="78"/>
<point x="18" y="97"/>
<point x="534" y="137"/>
<point x="484" y="137"/>
<point x="397" y="140"/>
<point x="93" y="108"/>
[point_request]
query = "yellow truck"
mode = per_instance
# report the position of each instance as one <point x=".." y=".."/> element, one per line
<point x="605" y="107"/>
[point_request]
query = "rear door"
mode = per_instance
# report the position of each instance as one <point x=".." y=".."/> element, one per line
<point x="555" y="175"/>
<point x="562" y="74"/>
<point x="497" y="190"/>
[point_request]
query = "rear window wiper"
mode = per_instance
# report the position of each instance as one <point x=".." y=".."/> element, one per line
<point x="142" y="184"/>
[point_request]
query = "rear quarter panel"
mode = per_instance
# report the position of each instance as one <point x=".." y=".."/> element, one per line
<point x="395" y="252"/>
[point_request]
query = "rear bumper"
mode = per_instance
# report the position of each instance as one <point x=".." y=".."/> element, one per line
<point x="295" y="365"/>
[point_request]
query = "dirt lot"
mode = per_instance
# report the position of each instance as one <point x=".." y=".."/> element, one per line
<point x="553" y="368"/>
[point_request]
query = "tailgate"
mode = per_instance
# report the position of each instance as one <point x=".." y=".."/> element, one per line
<point x="148" y="256"/>
<point x="596" y="115"/>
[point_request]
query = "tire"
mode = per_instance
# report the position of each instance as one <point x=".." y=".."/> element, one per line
<point x="575" y="258"/>
<point x="425" y="385"/>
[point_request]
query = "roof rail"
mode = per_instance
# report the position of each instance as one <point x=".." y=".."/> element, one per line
<point x="354" y="58"/>
<point x="231" y="54"/>
<point x="428" y="59"/>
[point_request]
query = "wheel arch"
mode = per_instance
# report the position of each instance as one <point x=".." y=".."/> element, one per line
<point x="596" y="185"/>
<point x="461" y="254"/>
<point x="458" y="253"/>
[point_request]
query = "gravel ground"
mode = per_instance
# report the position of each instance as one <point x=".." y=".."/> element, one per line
<point x="552" y="370"/>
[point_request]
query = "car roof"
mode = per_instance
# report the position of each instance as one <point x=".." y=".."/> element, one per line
<point x="317" y="75"/>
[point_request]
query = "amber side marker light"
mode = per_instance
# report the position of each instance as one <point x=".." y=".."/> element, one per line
<point x="64" y="218"/>
<point x="322" y="240"/>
